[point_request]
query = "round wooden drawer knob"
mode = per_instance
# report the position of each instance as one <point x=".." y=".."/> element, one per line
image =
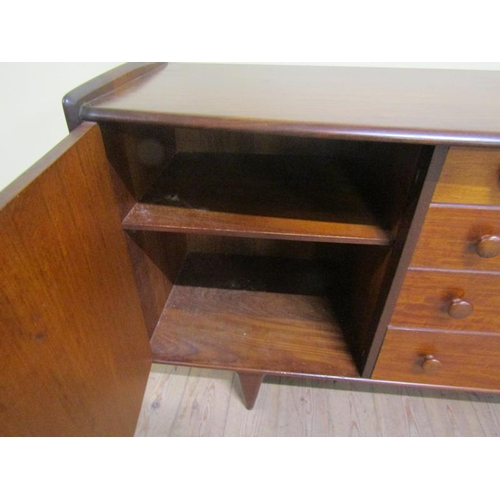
<point x="488" y="247"/>
<point x="431" y="365"/>
<point x="460" y="309"/>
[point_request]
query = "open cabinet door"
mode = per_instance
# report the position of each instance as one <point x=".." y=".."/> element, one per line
<point x="74" y="354"/>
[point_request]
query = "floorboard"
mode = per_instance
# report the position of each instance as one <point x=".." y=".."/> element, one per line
<point x="202" y="403"/>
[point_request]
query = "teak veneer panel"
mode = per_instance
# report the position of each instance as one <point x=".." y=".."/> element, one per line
<point x="155" y="256"/>
<point x="426" y="296"/>
<point x="411" y="105"/>
<point x="253" y="315"/>
<point x="467" y="360"/>
<point x="148" y="217"/>
<point x="73" y="344"/>
<point x="450" y="235"/>
<point x="470" y="176"/>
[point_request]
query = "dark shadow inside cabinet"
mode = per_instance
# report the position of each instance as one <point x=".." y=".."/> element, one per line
<point x="262" y="253"/>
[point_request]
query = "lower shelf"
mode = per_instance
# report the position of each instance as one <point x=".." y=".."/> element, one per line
<point x="262" y="314"/>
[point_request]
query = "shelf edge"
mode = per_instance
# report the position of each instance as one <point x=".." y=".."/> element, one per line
<point x="144" y="217"/>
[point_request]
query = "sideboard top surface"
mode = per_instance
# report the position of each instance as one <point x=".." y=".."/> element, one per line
<point x="412" y="105"/>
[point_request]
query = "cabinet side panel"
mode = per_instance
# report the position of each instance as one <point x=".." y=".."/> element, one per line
<point x="137" y="156"/>
<point x="412" y="220"/>
<point x="73" y="345"/>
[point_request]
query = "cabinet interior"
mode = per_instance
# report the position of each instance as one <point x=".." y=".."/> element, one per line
<point x="260" y="252"/>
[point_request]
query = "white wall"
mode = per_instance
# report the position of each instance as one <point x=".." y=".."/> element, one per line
<point x="33" y="120"/>
<point x="31" y="102"/>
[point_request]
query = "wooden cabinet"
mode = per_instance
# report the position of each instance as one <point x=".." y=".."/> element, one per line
<point x="255" y="219"/>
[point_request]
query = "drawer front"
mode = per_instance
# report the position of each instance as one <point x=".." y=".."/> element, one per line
<point x="459" y="238"/>
<point x="440" y="358"/>
<point x="470" y="176"/>
<point x="445" y="300"/>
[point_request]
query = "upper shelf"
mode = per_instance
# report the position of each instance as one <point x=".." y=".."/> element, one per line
<point x="412" y="105"/>
<point x="267" y="196"/>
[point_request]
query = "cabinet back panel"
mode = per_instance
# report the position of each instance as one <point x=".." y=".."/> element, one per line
<point x="382" y="171"/>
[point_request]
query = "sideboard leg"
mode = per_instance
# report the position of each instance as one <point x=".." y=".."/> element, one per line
<point x="250" y="385"/>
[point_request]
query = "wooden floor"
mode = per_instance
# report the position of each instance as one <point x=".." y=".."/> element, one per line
<point x="194" y="402"/>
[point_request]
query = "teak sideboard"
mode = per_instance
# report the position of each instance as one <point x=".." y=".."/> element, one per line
<point x="324" y="222"/>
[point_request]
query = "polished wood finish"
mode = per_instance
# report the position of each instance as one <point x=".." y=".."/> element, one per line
<point x="253" y="314"/>
<point x="73" y="345"/>
<point x="147" y="217"/>
<point x="382" y="173"/>
<point x="391" y="280"/>
<point x="156" y="259"/>
<point x="452" y="237"/>
<point x="250" y="384"/>
<point x="470" y="176"/>
<point x="258" y="196"/>
<point x="289" y="187"/>
<point x="389" y="176"/>
<point x="372" y="273"/>
<point x="426" y="298"/>
<point x="108" y="82"/>
<point x="468" y="360"/>
<point x="459" y="234"/>
<point x="360" y="271"/>
<point x="137" y="156"/>
<point x="314" y="101"/>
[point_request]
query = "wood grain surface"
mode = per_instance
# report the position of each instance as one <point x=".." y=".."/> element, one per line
<point x="453" y="106"/>
<point x="156" y="260"/>
<point x="253" y="315"/>
<point x="450" y="237"/>
<point x="382" y="173"/>
<point x="258" y="195"/>
<point x="289" y="187"/>
<point x="137" y="156"/>
<point x="102" y="84"/>
<point x="426" y="296"/>
<point x="146" y="217"/>
<point x="467" y="360"/>
<point x="73" y="345"/>
<point x="412" y="219"/>
<point x="470" y="176"/>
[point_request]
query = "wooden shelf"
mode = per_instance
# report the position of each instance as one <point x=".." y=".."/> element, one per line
<point x="265" y="196"/>
<point x="248" y="313"/>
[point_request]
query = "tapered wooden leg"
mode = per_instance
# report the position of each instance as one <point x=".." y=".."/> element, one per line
<point x="250" y="385"/>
